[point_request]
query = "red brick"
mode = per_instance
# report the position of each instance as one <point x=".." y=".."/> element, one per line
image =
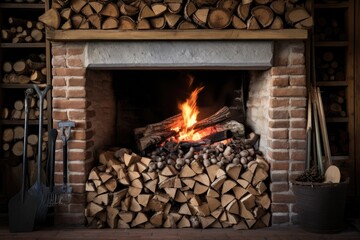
<point x="279" y="186"/>
<point x="298" y="123"/>
<point x="74" y="62"/>
<point x="76" y="93"/>
<point x="278" y="114"/>
<point x="59" y="115"/>
<point x="280" y="219"/>
<point x="297" y="80"/>
<point x="78" y="156"/>
<point x="280" y="166"/>
<point x="77" y="115"/>
<point x="278" y="144"/>
<point x="76" y="167"/>
<point x="280" y="81"/>
<point x="78" y="197"/>
<point x="278" y="155"/>
<point x="68" y="71"/>
<point x="69" y="103"/>
<point x="75" y="51"/>
<point x="78" y="188"/>
<point x="77" y="208"/>
<point x="58" y="92"/>
<point x="58" y="61"/>
<point x="279" y="176"/>
<point x="298" y="113"/>
<point x="283" y="198"/>
<point x="279" y="102"/>
<point x="297" y="144"/>
<point x="279" y="134"/>
<point x="299" y="166"/>
<point x="77" y="178"/>
<point x="58" y="81"/>
<point x="298" y="70"/>
<point x="278" y="207"/>
<point x="297" y="59"/>
<point x="298" y="155"/>
<point x="77" y="145"/>
<point x="56" y="51"/>
<point x="82" y="135"/>
<point x="288" y="92"/>
<point x="77" y="82"/>
<point x="298" y="134"/>
<point x="279" y="123"/>
<point x="298" y="102"/>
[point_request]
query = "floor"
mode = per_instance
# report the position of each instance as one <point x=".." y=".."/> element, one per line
<point x="271" y="233"/>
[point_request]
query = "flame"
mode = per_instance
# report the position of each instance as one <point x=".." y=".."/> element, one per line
<point x="189" y="113"/>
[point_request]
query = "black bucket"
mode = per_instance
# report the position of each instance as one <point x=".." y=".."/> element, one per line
<point x="321" y="206"/>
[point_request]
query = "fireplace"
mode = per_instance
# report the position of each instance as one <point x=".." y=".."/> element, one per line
<point x="85" y="74"/>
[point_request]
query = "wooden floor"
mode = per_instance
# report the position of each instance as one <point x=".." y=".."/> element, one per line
<point x="271" y="233"/>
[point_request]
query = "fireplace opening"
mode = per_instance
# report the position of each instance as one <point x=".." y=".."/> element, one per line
<point x="145" y="97"/>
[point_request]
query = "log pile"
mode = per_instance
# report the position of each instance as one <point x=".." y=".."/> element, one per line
<point x="214" y="186"/>
<point x="24" y="71"/>
<point x="330" y="66"/>
<point x="18" y="110"/>
<point x="335" y="103"/>
<point x="13" y="142"/>
<point x="177" y="14"/>
<point x="23" y="31"/>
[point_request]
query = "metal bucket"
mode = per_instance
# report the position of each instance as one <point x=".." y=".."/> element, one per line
<point x="321" y="206"/>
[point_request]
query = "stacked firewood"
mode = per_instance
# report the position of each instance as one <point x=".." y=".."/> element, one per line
<point x="330" y="66"/>
<point x="31" y="70"/>
<point x="23" y="31"/>
<point x="13" y="143"/>
<point x="177" y="14"/>
<point x="215" y="186"/>
<point x="18" y="111"/>
<point x="335" y="103"/>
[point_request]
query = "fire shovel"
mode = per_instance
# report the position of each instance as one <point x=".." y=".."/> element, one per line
<point x="65" y="132"/>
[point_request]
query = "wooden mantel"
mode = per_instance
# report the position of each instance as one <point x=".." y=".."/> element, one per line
<point x="230" y="34"/>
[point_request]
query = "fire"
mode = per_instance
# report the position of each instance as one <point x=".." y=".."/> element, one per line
<point x="189" y="112"/>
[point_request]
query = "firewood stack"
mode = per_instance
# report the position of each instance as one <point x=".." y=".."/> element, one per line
<point x="177" y="14"/>
<point x="18" y="111"/>
<point x="215" y="186"/>
<point x="24" y="71"/>
<point x="23" y="31"/>
<point x="13" y="142"/>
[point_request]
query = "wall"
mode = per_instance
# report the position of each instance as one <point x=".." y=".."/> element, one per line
<point x="277" y="99"/>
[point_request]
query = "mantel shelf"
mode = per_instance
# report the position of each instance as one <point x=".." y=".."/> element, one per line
<point x="229" y="34"/>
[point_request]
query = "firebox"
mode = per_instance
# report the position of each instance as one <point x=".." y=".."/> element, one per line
<point x="112" y="89"/>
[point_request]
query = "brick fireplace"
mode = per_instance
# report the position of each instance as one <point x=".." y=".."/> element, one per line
<point x="276" y="107"/>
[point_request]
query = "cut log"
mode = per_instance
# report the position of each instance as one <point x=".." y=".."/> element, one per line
<point x="157" y="219"/>
<point x="139" y="219"/>
<point x="189" y="10"/>
<point x="278" y="6"/>
<point x="110" y="10"/>
<point x="146" y="12"/>
<point x="95" y="20"/>
<point x="8" y="135"/>
<point x="143" y="24"/>
<point x="219" y="18"/>
<point x="296" y="15"/>
<point x="243" y="11"/>
<point x="77" y="5"/>
<point x="263" y="14"/>
<point x="200" y="17"/>
<point x="158" y="23"/>
<point x="277" y="23"/>
<point x="110" y="23"/>
<point x="51" y="18"/>
<point x="237" y="23"/>
<point x="96" y="5"/>
<point x="126" y="23"/>
<point x="252" y="23"/>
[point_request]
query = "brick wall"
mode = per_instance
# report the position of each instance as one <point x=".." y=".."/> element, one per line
<point x="276" y="110"/>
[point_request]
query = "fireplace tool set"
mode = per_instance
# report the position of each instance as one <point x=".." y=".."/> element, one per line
<point x="29" y="207"/>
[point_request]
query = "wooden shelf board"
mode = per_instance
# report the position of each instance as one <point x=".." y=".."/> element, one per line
<point x="332" y="44"/>
<point x="331" y="83"/>
<point x="8" y="85"/>
<point x="23" y="5"/>
<point x="343" y="4"/>
<point x="20" y="122"/>
<point x="23" y="45"/>
<point x="88" y="35"/>
<point x="337" y="119"/>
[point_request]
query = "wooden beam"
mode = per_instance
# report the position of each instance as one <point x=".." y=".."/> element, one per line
<point x="113" y="35"/>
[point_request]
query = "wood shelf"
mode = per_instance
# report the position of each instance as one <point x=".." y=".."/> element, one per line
<point x="332" y="83"/>
<point x="23" y="45"/>
<point x="113" y="35"/>
<point x="21" y="86"/>
<point x="23" y="5"/>
<point x="337" y="119"/>
<point x="332" y="44"/>
<point x="20" y="122"/>
<point x="343" y="4"/>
